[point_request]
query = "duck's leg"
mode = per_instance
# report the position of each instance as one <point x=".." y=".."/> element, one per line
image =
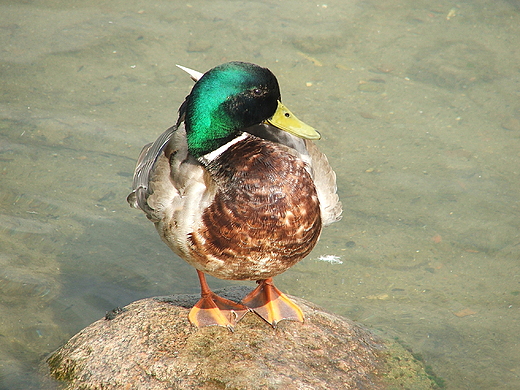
<point x="214" y="310"/>
<point x="271" y="304"/>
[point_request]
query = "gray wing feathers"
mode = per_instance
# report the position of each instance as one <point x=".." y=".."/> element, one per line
<point x="143" y="170"/>
<point x="325" y="182"/>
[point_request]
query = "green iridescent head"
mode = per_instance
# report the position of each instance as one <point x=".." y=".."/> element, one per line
<point x="226" y="99"/>
<point x="231" y="97"/>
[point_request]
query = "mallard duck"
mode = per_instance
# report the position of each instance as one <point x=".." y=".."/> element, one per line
<point x="237" y="189"/>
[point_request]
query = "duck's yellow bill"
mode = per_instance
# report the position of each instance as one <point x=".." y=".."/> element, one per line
<point x="285" y="120"/>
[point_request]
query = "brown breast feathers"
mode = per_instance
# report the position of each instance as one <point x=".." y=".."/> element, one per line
<point x="265" y="216"/>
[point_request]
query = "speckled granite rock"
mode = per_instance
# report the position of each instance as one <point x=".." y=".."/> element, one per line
<point x="150" y="344"/>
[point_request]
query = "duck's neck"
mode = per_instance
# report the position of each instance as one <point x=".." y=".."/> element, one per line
<point x="211" y="156"/>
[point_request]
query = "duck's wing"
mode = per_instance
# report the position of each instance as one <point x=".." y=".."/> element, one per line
<point x="325" y="182"/>
<point x="144" y="168"/>
<point x="171" y="187"/>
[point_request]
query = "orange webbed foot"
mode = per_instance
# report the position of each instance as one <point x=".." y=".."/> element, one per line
<point x="271" y="304"/>
<point x="213" y="310"/>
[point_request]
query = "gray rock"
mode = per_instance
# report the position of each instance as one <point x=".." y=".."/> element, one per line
<point x="150" y="344"/>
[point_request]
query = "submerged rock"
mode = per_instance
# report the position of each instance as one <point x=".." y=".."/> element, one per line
<point x="150" y="344"/>
<point x="454" y="64"/>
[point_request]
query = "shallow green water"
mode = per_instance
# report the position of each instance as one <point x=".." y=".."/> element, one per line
<point x="418" y="104"/>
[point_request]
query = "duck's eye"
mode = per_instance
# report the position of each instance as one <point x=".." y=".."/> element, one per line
<point x="258" y="92"/>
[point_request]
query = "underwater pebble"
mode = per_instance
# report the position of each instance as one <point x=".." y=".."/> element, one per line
<point x="199" y="46"/>
<point x="314" y="44"/>
<point x="311" y="59"/>
<point x="18" y="282"/>
<point x="454" y="64"/>
<point x="383" y="69"/>
<point x="381" y="297"/>
<point x="464" y="313"/>
<point x="512" y="124"/>
<point x="367" y="115"/>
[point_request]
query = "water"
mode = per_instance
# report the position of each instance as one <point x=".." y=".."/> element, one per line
<point x="418" y="104"/>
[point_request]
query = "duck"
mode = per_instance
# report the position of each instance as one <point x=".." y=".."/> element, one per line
<point x="238" y="189"/>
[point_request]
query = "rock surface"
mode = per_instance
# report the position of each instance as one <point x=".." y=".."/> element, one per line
<point x="150" y="344"/>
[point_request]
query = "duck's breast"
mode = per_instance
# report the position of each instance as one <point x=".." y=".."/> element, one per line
<point x="264" y="217"/>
